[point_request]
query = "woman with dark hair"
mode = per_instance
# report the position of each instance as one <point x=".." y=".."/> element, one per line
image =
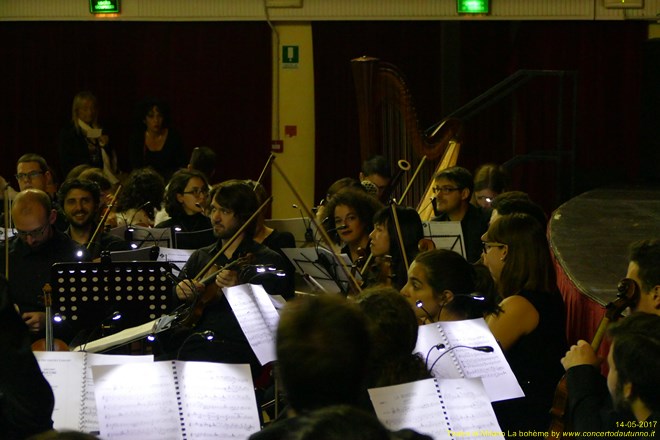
<point x="185" y="202"/>
<point x="441" y="287"/>
<point x="531" y="328"/>
<point x="155" y="143"/>
<point x="140" y="198"/>
<point x="351" y="213"/>
<point x="386" y="249"/>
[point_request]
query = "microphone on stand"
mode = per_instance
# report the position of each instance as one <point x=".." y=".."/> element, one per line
<point x="309" y="234"/>
<point x="481" y="348"/>
<point x="128" y="234"/>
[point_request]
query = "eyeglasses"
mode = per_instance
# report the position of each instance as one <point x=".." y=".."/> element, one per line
<point x="197" y="192"/>
<point x="36" y="234"/>
<point x="487" y="246"/>
<point x="445" y="189"/>
<point x="29" y="176"/>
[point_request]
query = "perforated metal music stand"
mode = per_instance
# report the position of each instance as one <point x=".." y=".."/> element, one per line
<point x="86" y="295"/>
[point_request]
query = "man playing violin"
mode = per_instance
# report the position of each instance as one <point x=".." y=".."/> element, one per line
<point x="590" y="406"/>
<point x="37" y="247"/>
<point x="233" y="203"/>
<point x="81" y="200"/>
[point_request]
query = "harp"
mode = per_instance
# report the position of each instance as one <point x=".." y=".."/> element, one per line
<point x="389" y="126"/>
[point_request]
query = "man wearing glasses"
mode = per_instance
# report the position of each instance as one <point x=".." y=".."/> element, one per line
<point x="590" y="406"/>
<point x="453" y="189"/>
<point x="37" y="246"/>
<point x="32" y="172"/>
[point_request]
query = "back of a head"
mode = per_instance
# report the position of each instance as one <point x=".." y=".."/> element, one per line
<point x="491" y="176"/>
<point x="513" y="202"/>
<point x="96" y="175"/>
<point x="144" y="186"/>
<point x="636" y="355"/>
<point x="322" y="350"/>
<point x="339" y="422"/>
<point x="203" y="159"/>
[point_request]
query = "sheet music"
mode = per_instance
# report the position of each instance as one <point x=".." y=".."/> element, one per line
<point x="64" y="370"/>
<point x="177" y="256"/>
<point x="257" y="317"/>
<point x="446" y="235"/>
<point x="215" y="400"/>
<point x="441" y="408"/>
<point x="493" y="368"/>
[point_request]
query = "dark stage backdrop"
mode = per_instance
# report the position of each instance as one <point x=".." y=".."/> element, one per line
<point x="215" y="76"/>
<point x="448" y="64"/>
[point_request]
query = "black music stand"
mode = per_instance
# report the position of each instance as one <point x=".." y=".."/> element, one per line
<point x="85" y="295"/>
<point x="320" y="267"/>
<point x="195" y="239"/>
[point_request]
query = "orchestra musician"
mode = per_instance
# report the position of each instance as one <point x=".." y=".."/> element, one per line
<point x="590" y="406"/>
<point x="386" y="250"/>
<point x="442" y="287"/>
<point x="81" y="201"/>
<point x="232" y="204"/>
<point x="37" y="247"/>
<point x="185" y="201"/>
<point x="351" y="213"/>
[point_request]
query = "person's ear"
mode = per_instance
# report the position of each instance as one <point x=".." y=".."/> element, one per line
<point x="362" y="177"/>
<point x="465" y="194"/>
<point x="446" y="297"/>
<point x="505" y="251"/>
<point x="655" y="296"/>
<point x="179" y="198"/>
<point x="52" y="217"/>
<point x="627" y="390"/>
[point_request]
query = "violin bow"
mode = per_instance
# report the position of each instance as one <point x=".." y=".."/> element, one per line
<point x="399" y="236"/>
<point x="353" y="284"/>
<point x="233" y="238"/>
<point x="268" y="162"/>
<point x="105" y="217"/>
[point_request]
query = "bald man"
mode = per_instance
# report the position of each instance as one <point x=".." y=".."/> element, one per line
<point x="37" y="246"/>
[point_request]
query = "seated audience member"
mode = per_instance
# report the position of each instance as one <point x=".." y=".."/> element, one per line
<point x="633" y="381"/>
<point x="441" y="287"/>
<point x="185" y="202"/>
<point x="517" y="254"/>
<point x="490" y="180"/>
<point x="232" y="204"/>
<point x="203" y="159"/>
<point x="388" y="266"/>
<point x="323" y="348"/>
<point x="377" y="170"/>
<point x="83" y="142"/>
<point x="453" y="189"/>
<point x="38" y="246"/>
<point x="351" y="214"/>
<point x="590" y="405"/>
<point x="26" y="399"/>
<point x="156" y="143"/>
<point x="81" y="201"/>
<point x="393" y="328"/>
<point x="512" y="202"/>
<point x="141" y="197"/>
<point x="32" y="171"/>
<point x="344" y="422"/>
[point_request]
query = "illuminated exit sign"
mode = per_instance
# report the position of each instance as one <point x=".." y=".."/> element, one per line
<point x="104" y="6"/>
<point x="472" y="6"/>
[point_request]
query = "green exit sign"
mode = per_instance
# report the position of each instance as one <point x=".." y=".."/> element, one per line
<point x="472" y="6"/>
<point x="104" y="6"/>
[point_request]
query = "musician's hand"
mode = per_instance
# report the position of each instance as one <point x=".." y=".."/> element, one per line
<point x="226" y="278"/>
<point x="35" y="321"/>
<point x="580" y="354"/>
<point x="186" y="290"/>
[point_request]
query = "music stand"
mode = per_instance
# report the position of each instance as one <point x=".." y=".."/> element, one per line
<point x="140" y="254"/>
<point x="86" y="295"/>
<point x="446" y="235"/>
<point x="299" y="227"/>
<point x="320" y="268"/>
<point x="194" y="240"/>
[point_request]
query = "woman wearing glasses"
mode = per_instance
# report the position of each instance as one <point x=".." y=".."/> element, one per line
<point x="185" y="201"/>
<point x="531" y="327"/>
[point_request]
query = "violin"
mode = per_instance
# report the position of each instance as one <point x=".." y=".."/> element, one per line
<point x="49" y="343"/>
<point x="627" y="296"/>
<point x="210" y="293"/>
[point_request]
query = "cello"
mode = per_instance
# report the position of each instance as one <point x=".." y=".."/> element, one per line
<point x="627" y="296"/>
